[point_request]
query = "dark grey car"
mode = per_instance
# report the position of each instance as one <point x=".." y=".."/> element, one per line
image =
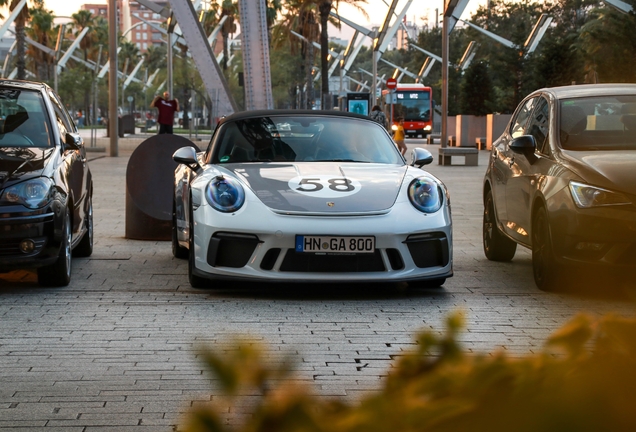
<point x="561" y="180"/>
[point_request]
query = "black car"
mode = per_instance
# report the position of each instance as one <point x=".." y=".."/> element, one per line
<point x="45" y="184"/>
<point x="562" y="181"/>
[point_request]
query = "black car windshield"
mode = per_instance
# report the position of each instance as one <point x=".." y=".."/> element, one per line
<point x="598" y="123"/>
<point x="23" y="119"/>
<point x="303" y="138"/>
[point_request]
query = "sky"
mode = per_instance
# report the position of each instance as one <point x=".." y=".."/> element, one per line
<point x="420" y="12"/>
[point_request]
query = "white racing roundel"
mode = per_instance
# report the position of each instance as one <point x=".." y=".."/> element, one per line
<point x="325" y="186"/>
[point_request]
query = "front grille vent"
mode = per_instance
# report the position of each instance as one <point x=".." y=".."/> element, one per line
<point x="332" y="263"/>
<point x="231" y="249"/>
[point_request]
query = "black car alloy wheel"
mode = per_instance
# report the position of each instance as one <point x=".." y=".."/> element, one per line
<point x="85" y="246"/>
<point x="178" y="251"/>
<point x="59" y="273"/>
<point x="544" y="267"/>
<point x="497" y="247"/>
<point x="195" y="281"/>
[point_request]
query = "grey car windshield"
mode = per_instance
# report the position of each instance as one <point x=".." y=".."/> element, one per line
<point x="23" y="119"/>
<point x="304" y="139"/>
<point x="598" y="123"/>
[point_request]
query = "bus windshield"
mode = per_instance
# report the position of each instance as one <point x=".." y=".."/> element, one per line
<point x="413" y="105"/>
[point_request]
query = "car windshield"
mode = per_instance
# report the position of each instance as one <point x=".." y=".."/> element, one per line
<point x="598" y="123"/>
<point x="303" y="138"/>
<point x="23" y="119"/>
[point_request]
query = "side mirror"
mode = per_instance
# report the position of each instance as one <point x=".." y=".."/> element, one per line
<point x="420" y="157"/>
<point x="73" y="141"/>
<point x="523" y="144"/>
<point x="187" y="156"/>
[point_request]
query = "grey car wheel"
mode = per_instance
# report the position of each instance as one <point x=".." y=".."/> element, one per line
<point x="547" y="275"/>
<point x="85" y="246"/>
<point x="59" y="273"/>
<point x="497" y="247"/>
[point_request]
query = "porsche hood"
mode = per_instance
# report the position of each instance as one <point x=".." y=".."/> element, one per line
<point x="323" y="187"/>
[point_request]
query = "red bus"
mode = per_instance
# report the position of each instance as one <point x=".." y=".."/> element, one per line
<point x="415" y="103"/>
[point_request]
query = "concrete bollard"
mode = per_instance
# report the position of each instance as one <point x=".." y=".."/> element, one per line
<point x="149" y="187"/>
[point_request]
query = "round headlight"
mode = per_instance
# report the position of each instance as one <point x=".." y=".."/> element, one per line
<point x="425" y="195"/>
<point x="225" y="194"/>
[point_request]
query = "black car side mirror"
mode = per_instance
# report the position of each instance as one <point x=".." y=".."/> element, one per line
<point x="523" y="144"/>
<point x="72" y="141"/>
<point x="421" y="157"/>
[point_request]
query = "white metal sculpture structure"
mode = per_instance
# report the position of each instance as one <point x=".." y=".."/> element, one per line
<point x="619" y="5"/>
<point x="530" y="45"/>
<point x="255" y="49"/>
<point x="12" y="17"/>
<point x="209" y="70"/>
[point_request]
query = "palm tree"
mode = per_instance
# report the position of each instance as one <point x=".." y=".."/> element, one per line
<point x="300" y="17"/>
<point x="20" y="33"/>
<point x="229" y="9"/>
<point x="42" y="31"/>
<point x="324" y="9"/>
<point x="81" y="20"/>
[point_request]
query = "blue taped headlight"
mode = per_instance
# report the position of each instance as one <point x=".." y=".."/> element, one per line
<point x="225" y="194"/>
<point x="425" y="195"/>
<point x="34" y="193"/>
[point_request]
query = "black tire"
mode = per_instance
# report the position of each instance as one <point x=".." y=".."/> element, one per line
<point x="547" y="274"/>
<point x="59" y="273"/>
<point x="430" y="283"/>
<point x="178" y="251"/>
<point x="195" y="281"/>
<point x="85" y="247"/>
<point x="497" y="247"/>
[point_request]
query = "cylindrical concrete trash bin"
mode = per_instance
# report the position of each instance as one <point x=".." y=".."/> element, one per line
<point x="149" y="187"/>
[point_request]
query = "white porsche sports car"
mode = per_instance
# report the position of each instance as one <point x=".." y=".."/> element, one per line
<point x="309" y="196"/>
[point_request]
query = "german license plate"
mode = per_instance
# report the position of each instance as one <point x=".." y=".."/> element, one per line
<point x="335" y="244"/>
<point x="410" y="131"/>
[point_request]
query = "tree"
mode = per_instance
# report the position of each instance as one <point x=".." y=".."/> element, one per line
<point x="20" y="32"/>
<point x="476" y="91"/>
<point x="300" y="17"/>
<point x="324" y="9"/>
<point x="229" y="9"/>
<point x="41" y="31"/>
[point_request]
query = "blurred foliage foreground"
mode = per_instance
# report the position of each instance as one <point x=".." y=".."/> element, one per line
<point x="583" y="380"/>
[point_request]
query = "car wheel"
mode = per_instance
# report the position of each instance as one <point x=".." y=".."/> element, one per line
<point x="178" y="251"/>
<point x="85" y="246"/>
<point x="430" y="283"/>
<point x="59" y="273"/>
<point x="497" y="247"/>
<point x="547" y="275"/>
<point x="195" y="281"/>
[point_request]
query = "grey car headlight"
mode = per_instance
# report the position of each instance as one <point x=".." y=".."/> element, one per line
<point x="586" y="196"/>
<point x="33" y="194"/>
<point x="425" y="194"/>
<point x="225" y="194"/>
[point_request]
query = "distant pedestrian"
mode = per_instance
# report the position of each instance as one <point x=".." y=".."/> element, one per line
<point x="378" y="115"/>
<point x="80" y="119"/>
<point x="398" y="135"/>
<point x="166" y="107"/>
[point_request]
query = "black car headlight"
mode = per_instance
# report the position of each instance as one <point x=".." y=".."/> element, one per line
<point x="586" y="196"/>
<point x="33" y="194"/>
<point x="425" y="194"/>
<point x="225" y="194"/>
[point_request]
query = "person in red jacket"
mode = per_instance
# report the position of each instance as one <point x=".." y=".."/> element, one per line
<point x="167" y="107"/>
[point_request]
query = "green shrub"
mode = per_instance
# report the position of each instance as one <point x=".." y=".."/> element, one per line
<point x="583" y="380"/>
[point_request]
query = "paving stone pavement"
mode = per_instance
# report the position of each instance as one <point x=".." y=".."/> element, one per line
<point x="116" y="350"/>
